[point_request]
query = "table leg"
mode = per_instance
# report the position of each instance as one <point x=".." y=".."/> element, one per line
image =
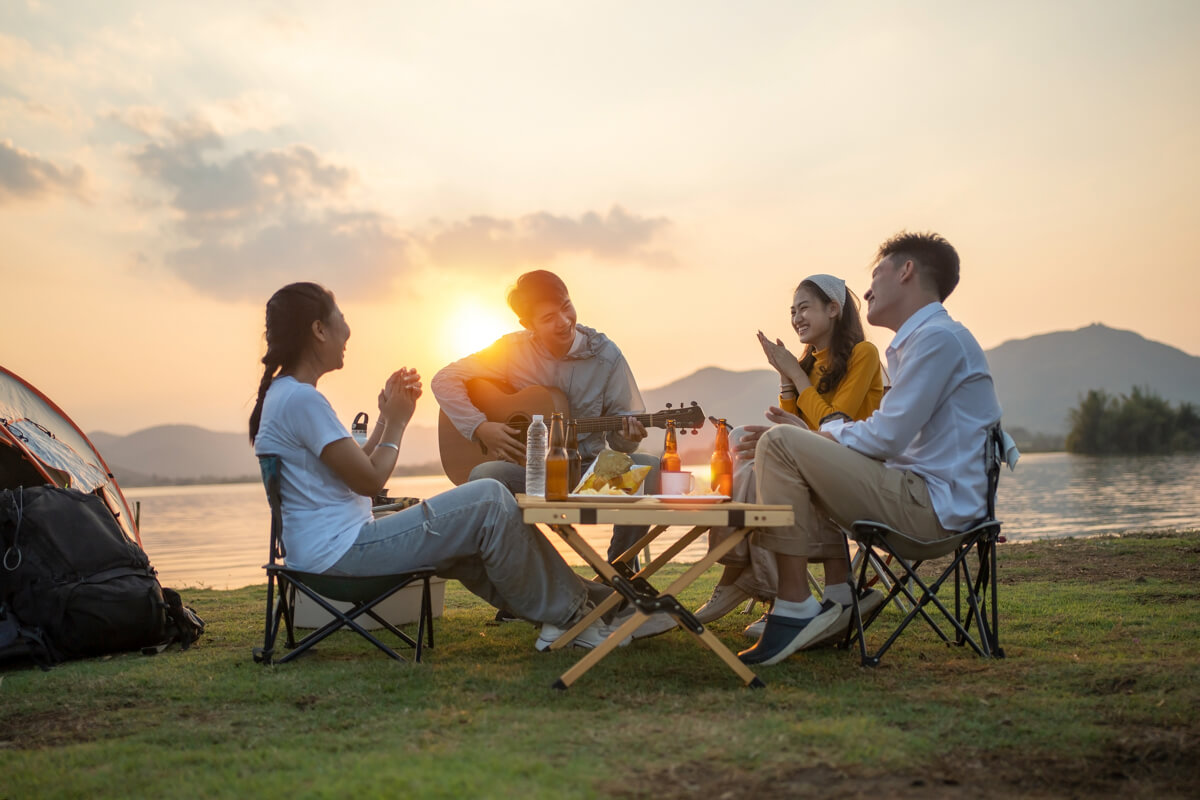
<point x="665" y="556"/>
<point x="627" y="628"/>
<point x="649" y="537"/>
<point x="707" y="637"/>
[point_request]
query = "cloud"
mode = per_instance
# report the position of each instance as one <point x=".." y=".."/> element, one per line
<point x="214" y="197"/>
<point x="246" y="222"/>
<point x="495" y="243"/>
<point x="24" y="176"/>
<point x="329" y="249"/>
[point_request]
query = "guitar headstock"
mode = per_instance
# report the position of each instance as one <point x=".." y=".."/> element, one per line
<point x="686" y="416"/>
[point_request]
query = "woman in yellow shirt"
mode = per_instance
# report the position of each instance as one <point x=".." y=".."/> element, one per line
<point x="838" y="373"/>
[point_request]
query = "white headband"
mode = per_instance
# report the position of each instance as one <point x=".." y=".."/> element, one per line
<point x="834" y="288"/>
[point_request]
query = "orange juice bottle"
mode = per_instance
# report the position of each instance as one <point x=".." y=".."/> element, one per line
<point x="557" y="464"/>
<point x="670" y="458"/>
<point x="721" y="464"/>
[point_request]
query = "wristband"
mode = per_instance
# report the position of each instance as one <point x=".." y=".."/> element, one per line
<point x="395" y="447"/>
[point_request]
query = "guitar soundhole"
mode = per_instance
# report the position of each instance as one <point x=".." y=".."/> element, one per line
<point x="521" y="420"/>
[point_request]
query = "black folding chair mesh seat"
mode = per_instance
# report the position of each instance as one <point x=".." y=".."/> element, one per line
<point x="363" y="593"/>
<point x="897" y="558"/>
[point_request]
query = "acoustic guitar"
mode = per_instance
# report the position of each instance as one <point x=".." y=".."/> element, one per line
<point x="460" y="455"/>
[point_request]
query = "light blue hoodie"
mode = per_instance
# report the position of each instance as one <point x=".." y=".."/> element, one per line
<point x="594" y="376"/>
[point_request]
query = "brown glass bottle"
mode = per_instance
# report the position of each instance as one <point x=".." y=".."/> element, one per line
<point x="670" y="461"/>
<point x="721" y="464"/>
<point x="574" y="463"/>
<point x="557" y="464"/>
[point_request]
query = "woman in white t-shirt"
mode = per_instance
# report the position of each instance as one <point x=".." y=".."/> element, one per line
<point x="472" y="533"/>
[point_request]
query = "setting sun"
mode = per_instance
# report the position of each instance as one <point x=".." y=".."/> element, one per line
<point x="472" y="327"/>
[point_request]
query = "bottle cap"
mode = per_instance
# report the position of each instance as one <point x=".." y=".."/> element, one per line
<point x="537" y="417"/>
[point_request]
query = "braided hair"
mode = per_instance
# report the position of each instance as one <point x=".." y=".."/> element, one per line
<point x="291" y="312"/>
<point x="847" y="332"/>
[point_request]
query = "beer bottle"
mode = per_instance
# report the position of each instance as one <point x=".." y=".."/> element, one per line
<point x="574" y="464"/>
<point x="721" y="464"/>
<point x="670" y="458"/>
<point x="557" y="466"/>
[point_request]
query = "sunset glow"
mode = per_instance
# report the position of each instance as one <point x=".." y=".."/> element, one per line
<point x="472" y="327"/>
<point x="164" y="167"/>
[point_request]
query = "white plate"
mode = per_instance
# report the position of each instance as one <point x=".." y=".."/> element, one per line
<point x="606" y="498"/>
<point x="691" y="499"/>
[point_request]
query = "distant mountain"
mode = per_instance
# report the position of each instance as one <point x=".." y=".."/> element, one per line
<point x="186" y="453"/>
<point x="739" y="397"/>
<point x="1039" y="380"/>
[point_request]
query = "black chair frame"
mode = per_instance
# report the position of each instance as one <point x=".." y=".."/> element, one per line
<point x="972" y="566"/>
<point x="363" y="593"/>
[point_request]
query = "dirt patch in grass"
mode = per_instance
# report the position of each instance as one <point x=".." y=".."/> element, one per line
<point x="1101" y="558"/>
<point x="57" y="728"/>
<point x="1147" y="762"/>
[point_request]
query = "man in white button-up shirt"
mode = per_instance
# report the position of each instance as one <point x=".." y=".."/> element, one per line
<point x="916" y="464"/>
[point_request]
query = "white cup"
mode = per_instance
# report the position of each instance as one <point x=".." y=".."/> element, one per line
<point x="676" y="482"/>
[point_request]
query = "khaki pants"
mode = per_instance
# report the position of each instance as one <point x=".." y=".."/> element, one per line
<point x="820" y="478"/>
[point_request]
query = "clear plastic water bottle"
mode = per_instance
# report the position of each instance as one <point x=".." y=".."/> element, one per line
<point x="535" y="458"/>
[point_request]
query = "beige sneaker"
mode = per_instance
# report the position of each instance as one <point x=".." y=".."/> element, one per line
<point x="723" y="600"/>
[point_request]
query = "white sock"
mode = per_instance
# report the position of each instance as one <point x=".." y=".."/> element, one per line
<point x="840" y="593"/>
<point x="798" y="610"/>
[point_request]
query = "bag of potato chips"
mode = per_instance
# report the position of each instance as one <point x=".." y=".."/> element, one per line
<point x="613" y="473"/>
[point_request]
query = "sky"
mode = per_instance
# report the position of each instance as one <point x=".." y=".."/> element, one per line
<point x="164" y="167"/>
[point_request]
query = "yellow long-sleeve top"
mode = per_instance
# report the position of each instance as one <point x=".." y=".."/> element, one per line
<point x="858" y="395"/>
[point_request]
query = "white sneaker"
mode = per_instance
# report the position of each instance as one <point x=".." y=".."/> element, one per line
<point x="660" y="622"/>
<point x="592" y="636"/>
<point x="723" y="600"/>
<point x="754" y="629"/>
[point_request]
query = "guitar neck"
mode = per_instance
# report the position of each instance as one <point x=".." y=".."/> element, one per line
<point x="593" y="424"/>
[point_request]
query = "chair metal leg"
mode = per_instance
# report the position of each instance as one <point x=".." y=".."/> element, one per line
<point x="264" y="654"/>
<point x="348" y="619"/>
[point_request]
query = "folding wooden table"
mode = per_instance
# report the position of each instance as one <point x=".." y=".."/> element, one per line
<point x="561" y="517"/>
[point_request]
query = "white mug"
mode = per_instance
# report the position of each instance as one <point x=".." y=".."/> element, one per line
<point x="676" y="482"/>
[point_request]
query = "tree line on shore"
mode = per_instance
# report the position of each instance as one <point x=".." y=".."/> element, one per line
<point x="1140" y="423"/>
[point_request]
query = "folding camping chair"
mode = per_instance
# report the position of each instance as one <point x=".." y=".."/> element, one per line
<point x="363" y="593"/>
<point x="897" y="558"/>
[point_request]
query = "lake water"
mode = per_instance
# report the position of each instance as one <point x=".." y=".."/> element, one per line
<point x="216" y="536"/>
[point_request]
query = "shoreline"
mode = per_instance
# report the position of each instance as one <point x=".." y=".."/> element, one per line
<point x="1051" y="542"/>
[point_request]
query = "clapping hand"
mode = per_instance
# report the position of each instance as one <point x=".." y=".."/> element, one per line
<point x="778" y="356"/>
<point x="398" y="400"/>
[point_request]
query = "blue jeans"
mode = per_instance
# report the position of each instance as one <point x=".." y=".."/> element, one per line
<point x="624" y="536"/>
<point x="473" y="534"/>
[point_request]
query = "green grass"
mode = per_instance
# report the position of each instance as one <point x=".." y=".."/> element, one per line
<point x="1098" y="694"/>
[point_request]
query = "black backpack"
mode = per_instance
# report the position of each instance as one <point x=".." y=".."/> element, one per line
<point x="73" y="585"/>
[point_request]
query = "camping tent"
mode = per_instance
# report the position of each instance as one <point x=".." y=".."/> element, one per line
<point x="39" y="444"/>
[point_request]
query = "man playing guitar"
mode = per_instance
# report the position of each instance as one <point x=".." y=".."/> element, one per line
<point x="551" y="351"/>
